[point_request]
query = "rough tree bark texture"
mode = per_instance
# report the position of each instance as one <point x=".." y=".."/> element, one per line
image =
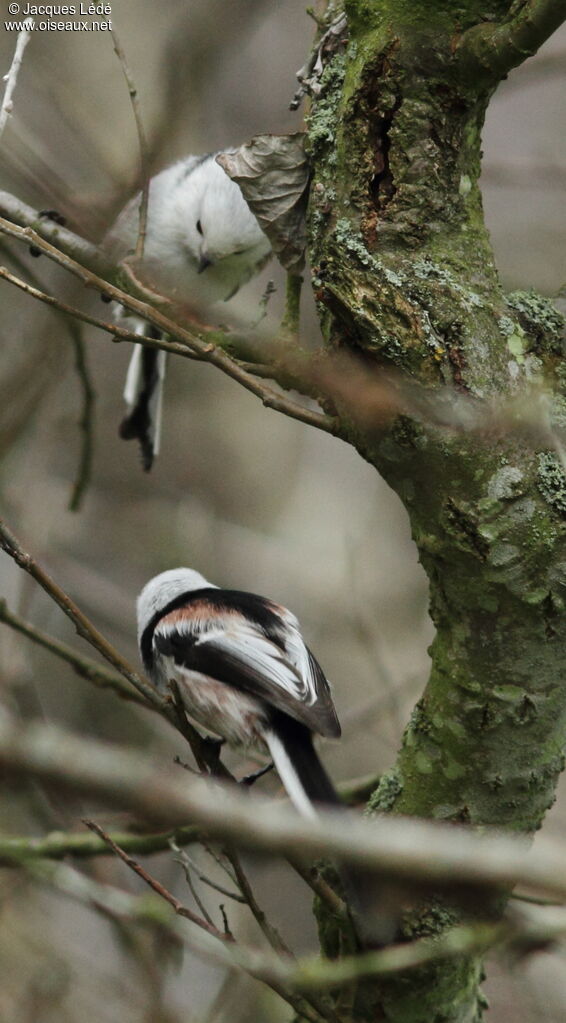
<point x="404" y="275"/>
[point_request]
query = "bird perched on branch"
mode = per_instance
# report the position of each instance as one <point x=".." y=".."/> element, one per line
<point x="242" y="670"/>
<point x="202" y="244"/>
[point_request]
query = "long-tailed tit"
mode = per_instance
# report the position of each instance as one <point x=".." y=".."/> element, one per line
<point x="202" y="244"/>
<point x="243" y="671"/>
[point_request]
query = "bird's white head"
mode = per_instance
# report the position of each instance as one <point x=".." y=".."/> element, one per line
<point x="217" y="221"/>
<point x="165" y="587"/>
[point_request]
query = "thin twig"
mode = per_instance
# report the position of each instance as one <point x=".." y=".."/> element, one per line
<point x="84" y="666"/>
<point x="189" y="879"/>
<point x="11" y="78"/>
<point x="269" y="931"/>
<point x="321" y="888"/>
<point x="59" y="844"/>
<point x="72" y="327"/>
<point x="10" y="543"/>
<point x="189" y="864"/>
<point x="154" y="911"/>
<point x="208" y="351"/>
<point x="153" y="883"/>
<point x="86" y="425"/>
<point x="220" y="860"/>
<point x="142" y="143"/>
<point x="534" y="900"/>
<point x="224" y="936"/>
<point x="118" y="332"/>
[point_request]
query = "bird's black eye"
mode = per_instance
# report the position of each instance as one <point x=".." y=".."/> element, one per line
<point x="199" y="227"/>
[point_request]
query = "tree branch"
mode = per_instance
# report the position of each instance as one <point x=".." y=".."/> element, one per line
<point x="70" y="244"/>
<point x="11" y="545"/>
<point x="84" y="666"/>
<point x="11" y="78"/>
<point x="271" y="933"/>
<point x="118" y="332"/>
<point x="496" y="47"/>
<point x="154" y="911"/>
<point x="59" y="844"/>
<point x="203" y="924"/>
<point x="204" y="347"/>
<point x="142" y="142"/>
<point x="409" y="849"/>
<point x="157" y="887"/>
<point x="309" y="973"/>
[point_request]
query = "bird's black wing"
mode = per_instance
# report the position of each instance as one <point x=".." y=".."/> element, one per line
<point x="236" y="651"/>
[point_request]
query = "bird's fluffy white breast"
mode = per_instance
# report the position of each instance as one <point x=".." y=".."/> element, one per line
<point x="238" y="717"/>
<point x="190" y="191"/>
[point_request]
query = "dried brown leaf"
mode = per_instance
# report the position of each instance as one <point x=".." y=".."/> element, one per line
<point x="272" y="172"/>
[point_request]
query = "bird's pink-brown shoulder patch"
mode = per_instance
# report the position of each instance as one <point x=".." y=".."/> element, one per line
<point x="197" y="611"/>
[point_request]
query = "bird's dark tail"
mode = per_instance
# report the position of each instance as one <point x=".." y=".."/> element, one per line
<point x="308" y="785"/>
<point x="305" y="780"/>
<point x="143" y="393"/>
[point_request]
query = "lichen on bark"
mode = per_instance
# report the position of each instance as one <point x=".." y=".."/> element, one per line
<point x="404" y="276"/>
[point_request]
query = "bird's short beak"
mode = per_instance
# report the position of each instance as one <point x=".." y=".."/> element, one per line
<point x="203" y="262"/>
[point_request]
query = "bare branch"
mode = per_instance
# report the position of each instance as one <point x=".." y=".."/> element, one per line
<point x="118" y="332"/>
<point x="319" y="974"/>
<point x="536" y="928"/>
<point x="59" y="844"/>
<point x="178" y="906"/>
<point x="203" y="924"/>
<point x="270" y="932"/>
<point x="84" y="666"/>
<point x="203" y="346"/>
<point x="84" y="628"/>
<point x="321" y="888"/>
<point x="88" y="393"/>
<point x="189" y="865"/>
<point x="143" y="147"/>
<point x="11" y="78"/>
<point x="497" y="46"/>
<point x="408" y="849"/>
<point x="69" y="243"/>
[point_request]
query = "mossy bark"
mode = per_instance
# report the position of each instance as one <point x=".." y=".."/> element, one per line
<point x="404" y="276"/>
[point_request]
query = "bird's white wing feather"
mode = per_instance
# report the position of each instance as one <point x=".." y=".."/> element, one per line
<point x="239" y="653"/>
<point x="244" y="644"/>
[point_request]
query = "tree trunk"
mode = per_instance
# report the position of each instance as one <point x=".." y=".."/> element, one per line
<point x="404" y="277"/>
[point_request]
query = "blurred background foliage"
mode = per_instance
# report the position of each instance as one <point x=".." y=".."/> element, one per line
<point x="250" y="499"/>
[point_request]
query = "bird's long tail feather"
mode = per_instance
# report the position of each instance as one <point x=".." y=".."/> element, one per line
<point x="143" y="393"/>
<point x="307" y="784"/>
<point x="305" y="780"/>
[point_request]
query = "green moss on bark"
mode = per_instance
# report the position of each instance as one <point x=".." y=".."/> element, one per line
<point x="403" y="272"/>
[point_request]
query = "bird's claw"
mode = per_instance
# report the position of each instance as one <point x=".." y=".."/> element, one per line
<point x="249" y="779"/>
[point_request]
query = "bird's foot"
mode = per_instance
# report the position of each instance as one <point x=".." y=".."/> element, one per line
<point x="212" y="745"/>
<point x="57" y="218"/>
<point x="249" y="779"/>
